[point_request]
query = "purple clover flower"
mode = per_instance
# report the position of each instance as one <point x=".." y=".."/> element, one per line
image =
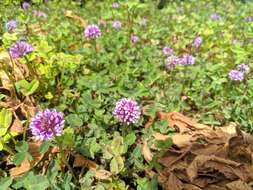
<point x="197" y="42"/>
<point x="25" y="5"/>
<point x="236" y="75"/>
<point x="11" y="25"/>
<point x="116" y="24"/>
<point x="20" y="49"/>
<point x="39" y="14"/>
<point x="215" y="16"/>
<point x="143" y="21"/>
<point x="92" y="32"/>
<point x="47" y="124"/>
<point x="243" y="68"/>
<point x="249" y="18"/>
<point x="167" y="51"/>
<point x="235" y="42"/>
<point x="171" y="62"/>
<point x="134" y="39"/>
<point x="115" y="5"/>
<point x="187" y="59"/>
<point x="127" y="111"/>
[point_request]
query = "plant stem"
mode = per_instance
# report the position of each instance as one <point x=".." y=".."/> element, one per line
<point x="63" y="156"/>
<point x="96" y="53"/>
<point x="65" y="161"/>
<point x="8" y="149"/>
<point x="31" y="69"/>
<point x="25" y="127"/>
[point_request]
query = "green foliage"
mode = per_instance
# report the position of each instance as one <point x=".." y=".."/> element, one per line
<point x="5" y="121"/>
<point x="22" y="153"/>
<point x="27" y="88"/>
<point x="30" y="181"/>
<point x="5" y="182"/>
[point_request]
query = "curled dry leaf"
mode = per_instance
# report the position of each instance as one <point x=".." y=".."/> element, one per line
<point x="160" y="137"/>
<point x="15" y="68"/>
<point x="238" y="185"/>
<point x="6" y="82"/>
<point x="81" y="161"/>
<point x="70" y="14"/>
<point x="146" y="152"/>
<point x="177" y="184"/>
<point x="16" y="126"/>
<point x="103" y="174"/>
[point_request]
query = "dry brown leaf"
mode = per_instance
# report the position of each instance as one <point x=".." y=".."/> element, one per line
<point x="26" y="165"/>
<point x="146" y="152"/>
<point x="103" y="174"/>
<point x="81" y="161"/>
<point x="16" y="126"/>
<point x="29" y="110"/>
<point x="238" y="185"/>
<point x="70" y="14"/>
<point x="181" y="140"/>
<point x="174" y="183"/>
<point x="16" y="71"/>
<point x="202" y="161"/>
<point x="6" y="82"/>
<point x="160" y="137"/>
<point x="191" y="187"/>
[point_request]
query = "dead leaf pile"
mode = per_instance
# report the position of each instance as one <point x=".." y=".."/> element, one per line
<point x="206" y="158"/>
<point x="10" y="71"/>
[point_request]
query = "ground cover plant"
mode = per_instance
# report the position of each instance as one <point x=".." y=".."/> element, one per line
<point x="82" y="81"/>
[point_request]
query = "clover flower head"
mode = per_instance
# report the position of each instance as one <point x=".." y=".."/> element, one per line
<point x="249" y="18"/>
<point x="171" y="62"/>
<point x="187" y="59"/>
<point x="243" y="68"/>
<point x="143" y="21"/>
<point x="167" y="51"/>
<point x="11" y="25"/>
<point x="92" y="32"/>
<point x="116" y="24"/>
<point x="115" y="5"/>
<point x="20" y="49"/>
<point x="127" y="111"/>
<point x="236" y="75"/>
<point x="39" y="14"/>
<point x="134" y="39"/>
<point x="236" y="41"/>
<point x="215" y="16"/>
<point x="197" y="42"/>
<point x="47" y="124"/>
<point x="25" y="5"/>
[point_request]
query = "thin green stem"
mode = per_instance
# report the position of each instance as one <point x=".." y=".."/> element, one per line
<point x="96" y="52"/>
<point x="8" y="149"/>
<point x="65" y="160"/>
<point x="25" y="127"/>
<point x="63" y="156"/>
<point x="12" y="138"/>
